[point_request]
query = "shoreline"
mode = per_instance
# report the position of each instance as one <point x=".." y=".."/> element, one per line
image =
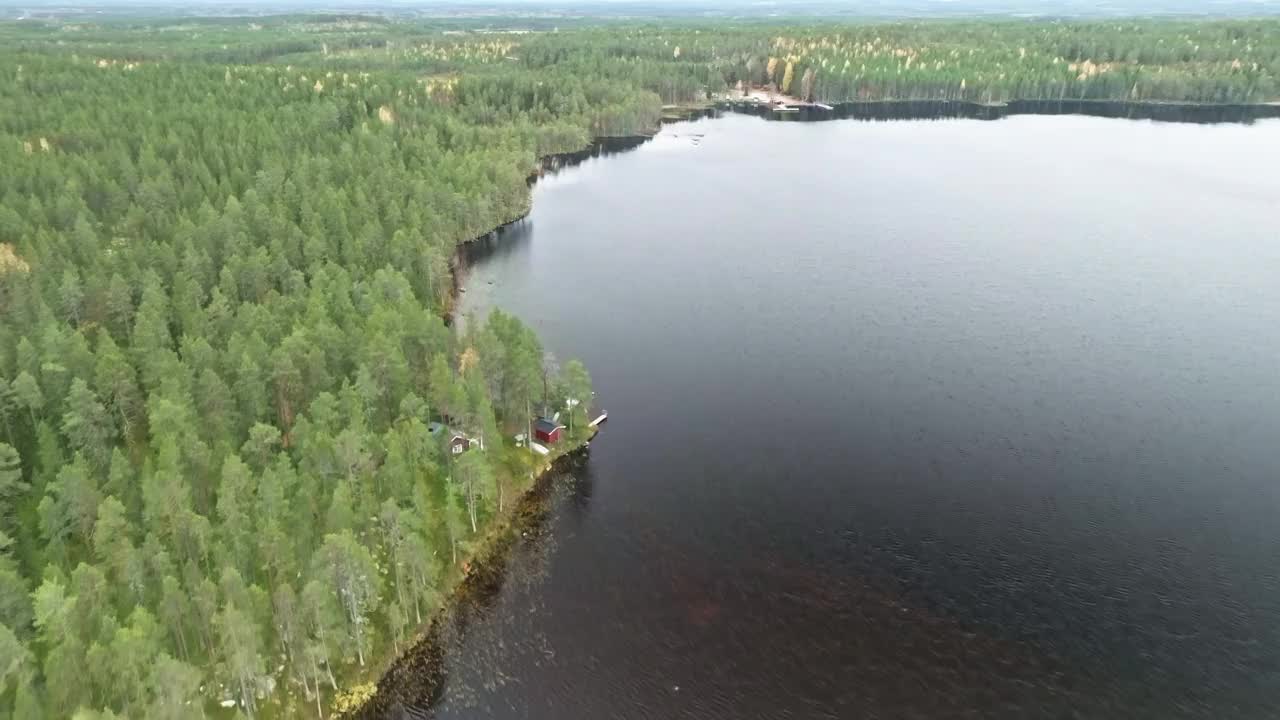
<point x="423" y="656"/>
<point x="421" y="664"/>
<point x="458" y="266"/>
<point x="418" y="671"/>
<point x="929" y="109"/>
<point x="547" y="164"/>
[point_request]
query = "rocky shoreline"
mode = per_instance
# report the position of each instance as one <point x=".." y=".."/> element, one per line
<point x="416" y="676"/>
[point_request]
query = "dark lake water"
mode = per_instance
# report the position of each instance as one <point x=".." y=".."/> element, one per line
<point x="911" y="419"/>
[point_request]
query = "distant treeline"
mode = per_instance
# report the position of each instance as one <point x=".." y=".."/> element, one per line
<point x="1203" y="62"/>
<point x="1224" y="61"/>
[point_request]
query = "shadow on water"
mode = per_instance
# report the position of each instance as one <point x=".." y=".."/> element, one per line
<point x="600" y="147"/>
<point x="508" y="239"/>
<point x="502" y="242"/>
<point x="416" y="680"/>
<point x="583" y="487"/>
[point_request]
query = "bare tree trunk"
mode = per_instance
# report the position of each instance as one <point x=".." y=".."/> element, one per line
<point x="471" y="502"/>
<point x="325" y="648"/>
<point x="359" y="637"/>
<point x="206" y="638"/>
<point x="246" y="697"/>
<point x="124" y="422"/>
<point x="182" y="643"/>
<point x="319" y="709"/>
<point x="315" y="676"/>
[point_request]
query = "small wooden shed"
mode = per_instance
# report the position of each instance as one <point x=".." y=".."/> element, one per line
<point x="458" y="443"/>
<point x="547" y="431"/>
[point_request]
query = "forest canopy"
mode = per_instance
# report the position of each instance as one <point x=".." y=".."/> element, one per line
<point x="227" y="391"/>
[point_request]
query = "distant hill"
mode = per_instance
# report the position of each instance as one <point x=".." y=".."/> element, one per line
<point x="747" y="9"/>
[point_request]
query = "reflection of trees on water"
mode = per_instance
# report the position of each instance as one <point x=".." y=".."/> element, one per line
<point x="492" y="636"/>
<point x="507" y="239"/>
<point x="500" y="243"/>
<point x="583" y="482"/>
<point x="600" y="147"/>
<point x="888" y="110"/>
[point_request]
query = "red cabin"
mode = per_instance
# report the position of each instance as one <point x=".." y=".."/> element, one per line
<point x="547" y="431"/>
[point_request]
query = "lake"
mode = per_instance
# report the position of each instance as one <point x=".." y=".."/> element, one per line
<point x="908" y="419"/>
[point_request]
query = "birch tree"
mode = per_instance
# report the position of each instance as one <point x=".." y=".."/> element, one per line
<point x="241" y="651"/>
<point x="352" y="575"/>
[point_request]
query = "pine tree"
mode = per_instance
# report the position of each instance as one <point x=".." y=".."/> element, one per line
<point x="87" y="426"/>
<point x="12" y="487"/>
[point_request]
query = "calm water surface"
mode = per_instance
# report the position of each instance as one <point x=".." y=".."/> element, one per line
<point x="914" y="419"/>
